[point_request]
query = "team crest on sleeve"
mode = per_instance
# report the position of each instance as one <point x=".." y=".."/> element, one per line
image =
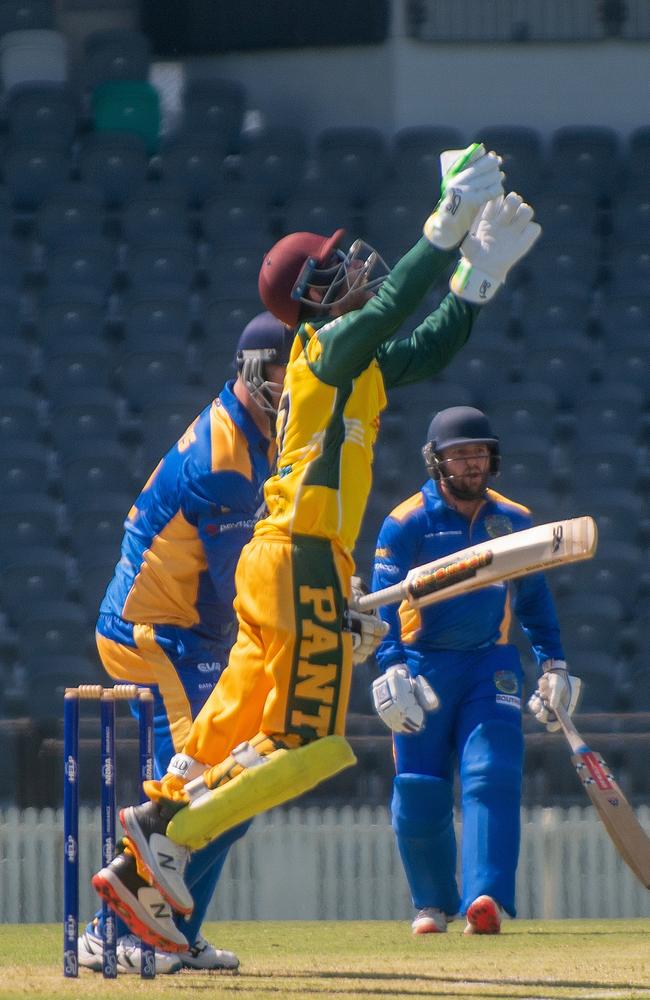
<point x="497" y="525"/>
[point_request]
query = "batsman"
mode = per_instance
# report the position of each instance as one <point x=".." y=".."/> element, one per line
<point x="274" y="725"/>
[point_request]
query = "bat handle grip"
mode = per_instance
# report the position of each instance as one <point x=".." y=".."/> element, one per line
<point x="390" y="595"/>
<point x="574" y="739"/>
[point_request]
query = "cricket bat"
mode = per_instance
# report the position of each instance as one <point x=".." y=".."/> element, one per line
<point x="504" y="558"/>
<point x="615" y="812"/>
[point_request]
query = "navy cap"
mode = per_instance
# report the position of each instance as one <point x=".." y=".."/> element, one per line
<point x="265" y="332"/>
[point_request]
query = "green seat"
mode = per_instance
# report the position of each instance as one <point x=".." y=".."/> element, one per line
<point x="128" y="106"/>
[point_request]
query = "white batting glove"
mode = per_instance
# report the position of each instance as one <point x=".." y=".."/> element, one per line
<point x="367" y="628"/>
<point x="555" y="687"/>
<point x="473" y="179"/>
<point x="503" y="234"/>
<point x="402" y="701"/>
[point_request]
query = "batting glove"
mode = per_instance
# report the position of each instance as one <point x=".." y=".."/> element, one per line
<point x="504" y="234"/>
<point x="473" y="179"/>
<point x="555" y="687"/>
<point x="367" y="628"/>
<point x="402" y="701"/>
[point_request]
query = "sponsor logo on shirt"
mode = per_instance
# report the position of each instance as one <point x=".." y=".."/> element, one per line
<point x="509" y="699"/>
<point x="208" y="667"/>
<point x="439" y="534"/>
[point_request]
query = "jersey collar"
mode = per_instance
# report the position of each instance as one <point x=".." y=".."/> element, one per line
<point x="241" y="417"/>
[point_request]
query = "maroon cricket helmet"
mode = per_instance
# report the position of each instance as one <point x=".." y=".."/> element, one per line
<point x="298" y="269"/>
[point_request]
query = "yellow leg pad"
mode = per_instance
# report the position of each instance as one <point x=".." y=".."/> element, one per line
<point x="284" y="775"/>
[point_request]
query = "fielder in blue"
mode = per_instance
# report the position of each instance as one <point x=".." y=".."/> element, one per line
<point x="167" y="618"/>
<point x="452" y="685"/>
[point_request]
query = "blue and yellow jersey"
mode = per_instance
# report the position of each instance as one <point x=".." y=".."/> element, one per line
<point x="424" y="528"/>
<point x="186" y="529"/>
<point x="334" y="392"/>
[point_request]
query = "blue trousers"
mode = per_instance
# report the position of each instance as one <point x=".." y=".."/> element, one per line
<point x="477" y="729"/>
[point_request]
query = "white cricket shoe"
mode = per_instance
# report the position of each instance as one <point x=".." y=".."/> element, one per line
<point x="91" y="953"/>
<point x="430" y="921"/>
<point x="483" y="916"/>
<point x="203" y="955"/>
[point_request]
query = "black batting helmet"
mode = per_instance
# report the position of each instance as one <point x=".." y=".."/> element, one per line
<point x="459" y="425"/>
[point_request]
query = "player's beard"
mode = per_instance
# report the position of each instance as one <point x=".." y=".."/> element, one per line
<point x="468" y="486"/>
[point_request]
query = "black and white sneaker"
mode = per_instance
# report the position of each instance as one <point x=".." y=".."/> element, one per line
<point x="163" y="861"/>
<point x="203" y="955"/>
<point x="140" y="905"/>
<point x="91" y="952"/>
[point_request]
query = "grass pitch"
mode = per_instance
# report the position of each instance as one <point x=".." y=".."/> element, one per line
<point x="371" y="960"/>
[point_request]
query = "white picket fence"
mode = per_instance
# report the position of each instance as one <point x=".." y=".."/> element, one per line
<point x="328" y="864"/>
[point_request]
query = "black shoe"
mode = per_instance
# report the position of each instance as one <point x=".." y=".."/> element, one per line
<point x="162" y="860"/>
<point x="140" y="905"/>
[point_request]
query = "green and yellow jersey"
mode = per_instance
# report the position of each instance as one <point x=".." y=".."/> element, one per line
<point x="335" y="389"/>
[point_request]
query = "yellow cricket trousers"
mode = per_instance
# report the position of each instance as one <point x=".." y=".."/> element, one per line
<point x="289" y="672"/>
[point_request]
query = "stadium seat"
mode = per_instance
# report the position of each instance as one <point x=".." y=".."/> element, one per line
<point x="164" y="421"/>
<point x="630" y="216"/>
<point x="74" y="362"/>
<point x="70" y="315"/>
<point x="25" y="466"/>
<point x="165" y="266"/>
<point x="71" y="218"/>
<point x="87" y="470"/>
<point x="609" y="408"/>
<point x="26" y="15"/>
<point x="29" y="519"/>
<point x="21" y="415"/>
<point x="525" y="409"/>
<point x="16" y="363"/>
<point x="53" y="628"/>
<point x="32" y="173"/>
<point x="602" y="675"/>
<point x="97" y="522"/>
<point x="273" y="161"/>
<point x="520" y="148"/>
<point x="637" y="160"/>
<point x="624" y="320"/>
<point x="90" y="265"/>
<point x="149" y="219"/>
<point x="565" y="216"/>
<point x="415" y="156"/>
<point x="224" y="320"/>
<point x="236" y="221"/>
<point x="589" y="631"/>
<point x="566" y="366"/>
<point x="28" y="55"/>
<point x="128" y="106"/>
<point x="585" y="159"/>
<point x="619" y="513"/>
<point x="47" y="113"/>
<point x="352" y="161"/>
<point x="233" y="271"/>
<point x="115" y="54"/>
<point x="152" y="319"/>
<point x="483" y="368"/>
<point x="86" y="414"/>
<point x="214" y="108"/>
<point x="629" y="268"/>
<point x="394" y="222"/>
<point x="631" y="366"/>
<point x="146" y="374"/>
<point x="33" y="575"/>
<point x="549" y="315"/>
<point x="421" y="399"/>
<point x="50" y="676"/>
<point x="321" y="212"/>
<point x="616" y="569"/>
<point x="528" y="463"/>
<point x="116" y="162"/>
<point x="195" y="165"/>
<point x="571" y="265"/>
<point x="606" y="462"/>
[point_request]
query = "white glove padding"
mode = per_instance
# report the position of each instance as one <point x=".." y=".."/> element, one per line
<point x="555" y="687"/>
<point x="503" y="234"/>
<point x="474" y="178"/>
<point x="402" y="700"/>
<point x="367" y="628"/>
